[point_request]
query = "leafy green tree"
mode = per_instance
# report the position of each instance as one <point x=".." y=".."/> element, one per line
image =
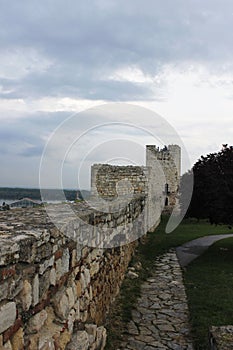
<point x="213" y="187"/>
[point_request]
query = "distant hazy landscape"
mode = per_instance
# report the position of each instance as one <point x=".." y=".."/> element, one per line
<point x="11" y="194"/>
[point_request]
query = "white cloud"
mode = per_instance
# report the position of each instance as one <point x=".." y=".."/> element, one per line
<point x="131" y="74"/>
<point x="23" y="108"/>
<point x="19" y="62"/>
<point x="16" y="105"/>
<point x="57" y="104"/>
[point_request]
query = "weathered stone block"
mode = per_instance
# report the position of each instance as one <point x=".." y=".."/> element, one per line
<point x="61" y="304"/>
<point x="15" y="287"/>
<point x="44" y="283"/>
<point x="52" y="277"/>
<point x="71" y="319"/>
<point x="7" y="346"/>
<point x="4" y="290"/>
<point x="26" y="295"/>
<point x="83" y="316"/>
<point x="74" y="258"/>
<point x="62" y="264"/>
<point x="44" y="251"/>
<point x="79" y="288"/>
<point x="58" y="269"/>
<point x="36" y="322"/>
<point x="77" y="310"/>
<point x="7" y="272"/>
<point x="17" y="340"/>
<point x="79" y="341"/>
<point x="85" y="251"/>
<point x="91" y="329"/>
<point x="7" y="315"/>
<point x="85" y="278"/>
<point x="46" y="343"/>
<point x="65" y="261"/>
<point x="70" y="295"/>
<point x="33" y="342"/>
<point x="35" y="290"/>
<point x="62" y="340"/>
<point x="101" y="337"/>
<point x="95" y="266"/>
<point x="47" y="263"/>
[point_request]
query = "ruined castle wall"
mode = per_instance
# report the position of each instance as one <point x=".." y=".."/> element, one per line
<point x="158" y="181"/>
<point x="112" y="181"/>
<point x="54" y="291"/>
<point x="56" y="288"/>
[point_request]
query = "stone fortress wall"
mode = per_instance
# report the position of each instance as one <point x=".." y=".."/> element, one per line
<point x="55" y="289"/>
<point x="112" y="181"/>
<point x="158" y="181"/>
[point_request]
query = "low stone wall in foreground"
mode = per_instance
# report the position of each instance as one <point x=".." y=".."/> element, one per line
<point x="54" y="290"/>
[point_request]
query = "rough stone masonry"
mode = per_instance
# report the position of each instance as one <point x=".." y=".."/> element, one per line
<point x="54" y="291"/>
<point x="56" y="285"/>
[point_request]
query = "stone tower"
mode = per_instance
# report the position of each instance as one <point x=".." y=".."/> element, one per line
<point x="165" y="168"/>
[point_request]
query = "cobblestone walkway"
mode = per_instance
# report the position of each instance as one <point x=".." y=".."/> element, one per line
<point x="160" y="320"/>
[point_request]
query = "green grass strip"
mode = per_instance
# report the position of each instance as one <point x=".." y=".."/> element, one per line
<point x="209" y="286"/>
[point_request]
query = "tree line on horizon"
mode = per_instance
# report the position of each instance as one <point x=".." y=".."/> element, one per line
<point x="17" y="193"/>
<point x="212" y="196"/>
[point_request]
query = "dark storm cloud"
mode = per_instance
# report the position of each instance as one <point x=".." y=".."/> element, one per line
<point x="76" y="48"/>
<point x="85" y="42"/>
<point x="60" y="86"/>
<point x="26" y="137"/>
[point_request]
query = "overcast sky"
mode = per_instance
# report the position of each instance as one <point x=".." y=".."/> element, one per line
<point x="57" y="57"/>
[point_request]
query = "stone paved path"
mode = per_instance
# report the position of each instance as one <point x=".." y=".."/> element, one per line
<point x="192" y="249"/>
<point x="161" y="318"/>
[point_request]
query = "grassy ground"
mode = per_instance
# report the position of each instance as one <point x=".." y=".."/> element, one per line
<point x="209" y="285"/>
<point x="155" y="244"/>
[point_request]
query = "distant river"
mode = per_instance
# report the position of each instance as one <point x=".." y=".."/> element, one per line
<point x="9" y="201"/>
